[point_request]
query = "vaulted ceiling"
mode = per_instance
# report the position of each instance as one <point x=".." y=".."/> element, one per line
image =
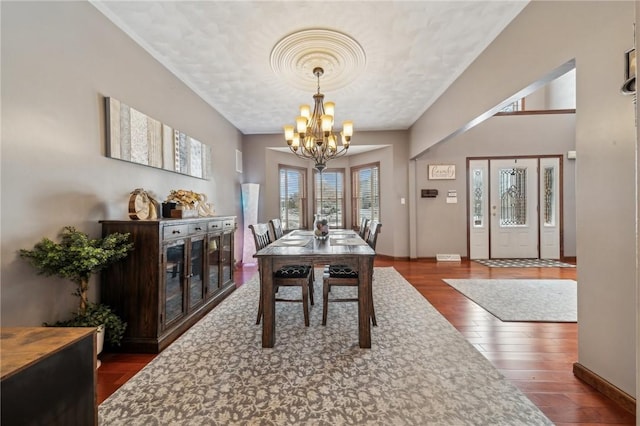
<point x="385" y="62"/>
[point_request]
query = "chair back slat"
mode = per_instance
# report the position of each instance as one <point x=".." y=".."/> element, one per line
<point x="374" y="230"/>
<point x="261" y="237"/>
<point x="276" y="229"/>
<point x="363" y="228"/>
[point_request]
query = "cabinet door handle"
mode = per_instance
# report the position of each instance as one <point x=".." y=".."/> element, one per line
<point x="198" y="229"/>
<point x="176" y="231"/>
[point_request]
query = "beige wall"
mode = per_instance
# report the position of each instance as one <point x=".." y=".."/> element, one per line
<point x="561" y="92"/>
<point x="392" y="155"/>
<point x="557" y="94"/>
<point x="58" y="60"/>
<point x="543" y="37"/>
<point x="442" y="227"/>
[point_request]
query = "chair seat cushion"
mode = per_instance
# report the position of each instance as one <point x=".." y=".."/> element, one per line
<point x="342" y="271"/>
<point x="293" y="271"/>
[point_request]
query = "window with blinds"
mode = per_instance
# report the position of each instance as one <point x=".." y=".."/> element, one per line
<point x="514" y="106"/>
<point x="293" y="198"/>
<point x="328" y="200"/>
<point x="365" y="193"/>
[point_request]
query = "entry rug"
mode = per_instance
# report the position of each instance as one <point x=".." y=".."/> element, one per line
<point x="524" y="263"/>
<point x="419" y="371"/>
<point x="523" y="300"/>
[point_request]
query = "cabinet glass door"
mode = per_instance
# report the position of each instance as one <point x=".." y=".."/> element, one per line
<point x="174" y="273"/>
<point x="227" y="258"/>
<point x="214" y="265"/>
<point x="196" y="272"/>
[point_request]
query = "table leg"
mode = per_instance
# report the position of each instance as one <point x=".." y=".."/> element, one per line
<point x="365" y="265"/>
<point x="268" y="303"/>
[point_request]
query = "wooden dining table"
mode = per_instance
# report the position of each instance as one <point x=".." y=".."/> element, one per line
<point x="344" y="247"/>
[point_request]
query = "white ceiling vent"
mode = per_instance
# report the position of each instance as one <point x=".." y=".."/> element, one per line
<point x="448" y="257"/>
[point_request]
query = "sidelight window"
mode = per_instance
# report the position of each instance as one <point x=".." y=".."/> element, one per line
<point x="549" y="196"/>
<point x="478" y="198"/>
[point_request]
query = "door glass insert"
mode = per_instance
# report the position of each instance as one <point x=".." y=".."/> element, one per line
<point x="173" y="282"/>
<point x="197" y="277"/>
<point x="549" y="196"/>
<point x="478" y="198"/>
<point x="227" y="258"/>
<point x="513" y="196"/>
<point x="214" y="264"/>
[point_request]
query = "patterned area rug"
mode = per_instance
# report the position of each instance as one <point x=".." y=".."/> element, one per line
<point x="523" y="300"/>
<point x="420" y="370"/>
<point x="524" y="263"/>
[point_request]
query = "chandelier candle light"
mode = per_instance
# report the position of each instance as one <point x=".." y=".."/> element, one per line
<point x="315" y="139"/>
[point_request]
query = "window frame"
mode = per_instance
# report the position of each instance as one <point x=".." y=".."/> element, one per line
<point x="342" y="201"/>
<point x="303" y="172"/>
<point x="355" y="215"/>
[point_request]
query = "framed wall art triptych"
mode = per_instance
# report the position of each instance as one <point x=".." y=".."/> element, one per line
<point x="135" y="137"/>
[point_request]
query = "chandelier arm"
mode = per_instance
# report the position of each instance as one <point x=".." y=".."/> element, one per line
<point x="338" y="153"/>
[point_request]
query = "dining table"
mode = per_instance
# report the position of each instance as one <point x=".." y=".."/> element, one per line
<point x="344" y="247"/>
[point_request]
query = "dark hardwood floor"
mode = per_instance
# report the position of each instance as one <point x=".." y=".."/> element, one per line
<point x="536" y="357"/>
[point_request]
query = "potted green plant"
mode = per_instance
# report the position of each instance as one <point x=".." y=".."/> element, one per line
<point x="76" y="258"/>
<point x="97" y="315"/>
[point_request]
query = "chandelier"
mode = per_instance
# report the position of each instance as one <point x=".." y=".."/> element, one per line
<point x="313" y="137"/>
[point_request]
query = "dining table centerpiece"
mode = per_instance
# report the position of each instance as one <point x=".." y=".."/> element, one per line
<point x="321" y="228"/>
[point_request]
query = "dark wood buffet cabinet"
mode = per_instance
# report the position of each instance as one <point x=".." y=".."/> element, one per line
<point x="178" y="271"/>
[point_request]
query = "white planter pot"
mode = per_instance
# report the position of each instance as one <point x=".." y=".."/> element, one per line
<point x="99" y="343"/>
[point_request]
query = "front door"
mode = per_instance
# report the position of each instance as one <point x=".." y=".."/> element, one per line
<point x="514" y="208"/>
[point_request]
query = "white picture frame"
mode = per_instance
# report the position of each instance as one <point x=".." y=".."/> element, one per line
<point x="442" y="171"/>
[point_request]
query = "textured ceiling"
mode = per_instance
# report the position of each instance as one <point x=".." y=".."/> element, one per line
<point x="411" y="52"/>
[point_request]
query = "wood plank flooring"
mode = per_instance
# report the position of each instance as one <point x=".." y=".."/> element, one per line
<point x="536" y="357"/>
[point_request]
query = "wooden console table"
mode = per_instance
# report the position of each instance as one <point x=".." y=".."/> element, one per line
<point x="48" y="376"/>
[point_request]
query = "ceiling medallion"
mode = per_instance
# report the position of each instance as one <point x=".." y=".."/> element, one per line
<point x="296" y="56"/>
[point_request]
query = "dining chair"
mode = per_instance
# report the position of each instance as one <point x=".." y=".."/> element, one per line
<point x="343" y="275"/>
<point x="363" y="228"/>
<point x="288" y="275"/>
<point x="275" y="226"/>
<point x="372" y="236"/>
